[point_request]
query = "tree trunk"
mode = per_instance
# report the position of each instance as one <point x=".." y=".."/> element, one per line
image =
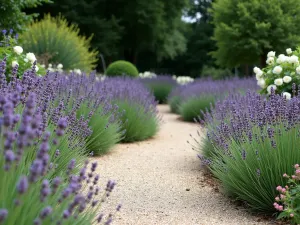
<point x="247" y="70"/>
<point x="263" y="59"/>
<point x="130" y="55"/>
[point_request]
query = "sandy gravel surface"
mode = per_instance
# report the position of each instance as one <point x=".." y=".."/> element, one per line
<point x="159" y="181"/>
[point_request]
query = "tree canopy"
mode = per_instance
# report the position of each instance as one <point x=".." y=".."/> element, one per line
<point x="12" y="16"/>
<point x="246" y="30"/>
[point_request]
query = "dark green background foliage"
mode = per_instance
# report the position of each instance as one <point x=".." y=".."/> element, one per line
<point x="12" y="16"/>
<point x="122" y="67"/>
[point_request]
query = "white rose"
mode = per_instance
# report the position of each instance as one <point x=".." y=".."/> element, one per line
<point x="77" y="71"/>
<point x="287" y="95"/>
<point x="18" y="50"/>
<point x="298" y="70"/>
<point x="261" y="83"/>
<point x="278" y="82"/>
<point x="256" y="70"/>
<point x="14" y="63"/>
<point x="289" y="51"/>
<point x="60" y="66"/>
<point x="287" y="79"/>
<point x="49" y="65"/>
<point x="294" y="59"/>
<point x="31" y="57"/>
<point x="36" y="68"/>
<point x="43" y="65"/>
<point x="25" y="60"/>
<point x="270" y="60"/>
<point x="258" y="76"/>
<point x="277" y="69"/>
<point x="272" y="86"/>
<point x="282" y="58"/>
<point x="271" y="54"/>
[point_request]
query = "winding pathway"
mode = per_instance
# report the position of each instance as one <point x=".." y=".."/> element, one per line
<point x="159" y="181"/>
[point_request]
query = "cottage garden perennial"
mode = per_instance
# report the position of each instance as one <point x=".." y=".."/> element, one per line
<point x="280" y="73"/>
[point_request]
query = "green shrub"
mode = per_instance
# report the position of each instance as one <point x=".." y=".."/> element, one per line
<point x="17" y="62"/>
<point x="138" y="123"/>
<point x="105" y="133"/>
<point x="160" y="86"/>
<point x="55" y="42"/>
<point x="216" y="73"/>
<point x="191" y="107"/>
<point x="122" y="67"/>
<point x="174" y="103"/>
<point x="254" y="169"/>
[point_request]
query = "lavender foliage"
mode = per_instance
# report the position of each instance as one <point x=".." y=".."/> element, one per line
<point x="44" y="172"/>
<point x="251" y="141"/>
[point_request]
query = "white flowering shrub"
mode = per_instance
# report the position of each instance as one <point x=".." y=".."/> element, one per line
<point x="280" y="73"/>
<point x="182" y="80"/>
<point x="147" y="74"/>
<point x="15" y="57"/>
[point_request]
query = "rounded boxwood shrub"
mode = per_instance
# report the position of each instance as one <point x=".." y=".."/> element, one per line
<point x="122" y="67"/>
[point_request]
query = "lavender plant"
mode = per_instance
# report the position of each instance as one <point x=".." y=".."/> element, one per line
<point x="189" y="100"/>
<point x="160" y="86"/>
<point x="45" y="176"/>
<point x="138" y="107"/>
<point x="253" y="140"/>
<point x="31" y="190"/>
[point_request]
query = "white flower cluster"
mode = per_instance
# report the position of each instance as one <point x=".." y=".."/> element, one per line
<point x="281" y="71"/>
<point x="147" y="74"/>
<point x="30" y="57"/>
<point x="182" y="80"/>
<point x="58" y="68"/>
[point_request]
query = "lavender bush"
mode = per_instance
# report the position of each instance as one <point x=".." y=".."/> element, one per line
<point x="38" y="184"/>
<point x="251" y="141"/>
<point x="191" y="99"/>
<point x="136" y="104"/>
<point x="160" y="86"/>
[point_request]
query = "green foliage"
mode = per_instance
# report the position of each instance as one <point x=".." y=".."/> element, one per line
<point x="122" y="67"/>
<point x="191" y="108"/>
<point x="14" y="55"/>
<point x="12" y="16"/>
<point x="288" y="200"/>
<point x="160" y="90"/>
<point x="216" y="73"/>
<point x="138" y="123"/>
<point x="174" y="103"/>
<point x="129" y="29"/>
<point x="254" y="176"/>
<point x="245" y="30"/>
<point x="54" y="41"/>
<point x="105" y="133"/>
<point x="199" y="43"/>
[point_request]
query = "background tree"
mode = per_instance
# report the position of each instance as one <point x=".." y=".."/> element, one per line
<point x="124" y="29"/>
<point x="12" y="16"/>
<point x="198" y="32"/>
<point x="246" y="30"/>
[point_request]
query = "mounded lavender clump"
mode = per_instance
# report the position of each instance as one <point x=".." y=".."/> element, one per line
<point x="137" y="106"/>
<point x="251" y="141"/>
<point x="44" y="173"/>
<point x="161" y="86"/>
<point x="189" y="100"/>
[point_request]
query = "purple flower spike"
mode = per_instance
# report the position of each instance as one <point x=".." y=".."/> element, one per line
<point x="22" y="185"/>
<point x="3" y="215"/>
<point x="45" y="212"/>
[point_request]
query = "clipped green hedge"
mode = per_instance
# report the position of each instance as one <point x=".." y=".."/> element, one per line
<point x="122" y="67"/>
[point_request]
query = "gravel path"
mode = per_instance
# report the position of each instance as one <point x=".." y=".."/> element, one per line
<point x="159" y="181"/>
